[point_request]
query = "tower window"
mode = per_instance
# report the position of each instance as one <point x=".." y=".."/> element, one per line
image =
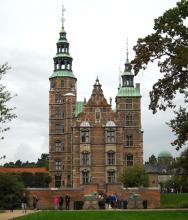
<point x="58" y="146"/>
<point x="58" y="128"/>
<point x="129" y="140"/>
<point x="58" y="165"/>
<point x="110" y="135"/>
<point x="129" y="160"/>
<point x="62" y="83"/>
<point x="129" y="119"/>
<point x="58" y="98"/>
<point x="111" y="158"/>
<point x="128" y="104"/>
<point x="85" y="176"/>
<point x="85" y="158"/>
<point x="58" y="112"/>
<point x="85" y="136"/>
<point x="52" y="84"/>
<point x="57" y="181"/>
<point x="111" y="175"/>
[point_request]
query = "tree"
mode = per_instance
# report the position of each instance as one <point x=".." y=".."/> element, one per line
<point x="10" y="185"/>
<point x="6" y="113"/>
<point x="168" y="45"/>
<point x="134" y="177"/>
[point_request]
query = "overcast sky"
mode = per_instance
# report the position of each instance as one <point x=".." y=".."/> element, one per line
<point x="97" y="31"/>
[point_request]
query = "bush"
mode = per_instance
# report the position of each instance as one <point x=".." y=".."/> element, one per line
<point x="10" y="188"/>
<point x="78" y="205"/>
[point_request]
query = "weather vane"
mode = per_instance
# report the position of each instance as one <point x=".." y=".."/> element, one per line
<point x="127" y="50"/>
<point x="63" y="15"/>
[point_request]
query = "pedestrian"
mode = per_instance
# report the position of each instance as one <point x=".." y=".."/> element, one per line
<point x="24" y="203"/>
<point x="11" y="202"/>
<point x="67" y="202"/>
<point x="37" y="202"/>
<point x="113" y="200"/>
<point x="61" y="200"/>
<point x="34" y="202"/>
<point x="56" y="202"/>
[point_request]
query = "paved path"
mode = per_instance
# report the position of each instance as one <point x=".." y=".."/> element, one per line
<point x="7" y="215"/>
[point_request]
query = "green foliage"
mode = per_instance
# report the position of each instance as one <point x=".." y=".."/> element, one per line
<point x="168" y="45"/>
<point x="10" y="185"/>
<point x="6" y="113"/>
<point x="101" y="215"/>
<point x="134" y="177"/>
<point x="42" y="162"/>
<point x="172" y="200"/>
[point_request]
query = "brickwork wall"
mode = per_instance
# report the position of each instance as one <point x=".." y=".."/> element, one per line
<point x="152" y="195"/>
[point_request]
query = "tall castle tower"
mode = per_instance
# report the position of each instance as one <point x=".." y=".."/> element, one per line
<point x="128" y="109"/>
<point x="90" y="143"/>
<point x="62" y="101"/>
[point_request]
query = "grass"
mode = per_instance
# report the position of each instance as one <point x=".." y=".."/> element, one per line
<point x="174" y="200"/>
<point x="107" y="215"/>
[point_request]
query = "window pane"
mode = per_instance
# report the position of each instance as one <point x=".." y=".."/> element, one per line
<point x="129" y="140"/>
<point x="85" y="177"/>
<point x="110" y="158"/>
<point x="111" y="176"/>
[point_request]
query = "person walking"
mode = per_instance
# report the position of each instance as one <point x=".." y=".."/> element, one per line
<point x="61" y="200"/>
<point x="56" y="202"/>
<point x="67" y="202"/>
<point x="24" y="203"/>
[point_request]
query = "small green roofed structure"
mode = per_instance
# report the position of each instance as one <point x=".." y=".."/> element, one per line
<point x="165" y="154"/>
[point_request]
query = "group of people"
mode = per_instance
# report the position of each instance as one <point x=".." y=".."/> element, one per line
<point x="59" y="201"/>
<point x="111" y="201"/>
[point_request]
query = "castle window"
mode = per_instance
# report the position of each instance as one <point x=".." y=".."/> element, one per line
<point x="58" y="165"/>
<point x="52" y="84"/>
<point x="85" y="135"/>
<point x="85" y="158"/>
<point x="58" y="128"/>
<point x="129" y="140"/>
<point x="98" y="114"/>
<point x="111" y="158"/>
<point x="58" y="146"/>
<point x="85" y="176"/>
<point x="129" y="119"/>
<point x="110" y="135"/>
<point x="129" y="160"/>
<point x="57" y="181"/>
<point x="128" y="104"/>
<point x="62" y="83"/>
<point x="111" y="176"/>
<point x="58" y="112"/>
<point x="58" y="97"/>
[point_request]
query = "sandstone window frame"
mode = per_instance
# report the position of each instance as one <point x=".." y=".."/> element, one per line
<point x="129" y="160"/>
<point x="111" y="176"/>
<point x="110" y="135"/>
<point x="85" y="135"/>
<point x="129" y="119"/>
<point x="57" y="180"/>
<point x="59" y="129"/>
<point x="58" y="165"/>
<point x="111" y="158"/>
<point x="129" y="140"/>
<point x="85" y="176"/>
<point x="129" y="104"/>
<point x="58" y="97"/>
<point x="85" y="158"/>
<point x="58" y="111"/>
<point x="58" y="146"/>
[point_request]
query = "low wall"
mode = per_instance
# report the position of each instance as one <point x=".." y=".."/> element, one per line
<point x="46" y="195"/>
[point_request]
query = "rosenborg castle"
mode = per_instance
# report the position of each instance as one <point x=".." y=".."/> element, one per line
<point x="89" y="142"/>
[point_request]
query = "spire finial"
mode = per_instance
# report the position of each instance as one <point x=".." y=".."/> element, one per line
<point x="63" y="16"/>
<point x="127" y="49"/>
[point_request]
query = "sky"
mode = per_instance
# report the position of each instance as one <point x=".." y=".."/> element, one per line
<point x="97" y="31"/>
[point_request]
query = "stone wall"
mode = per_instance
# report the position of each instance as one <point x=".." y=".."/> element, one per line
<point x="46" y="195"/>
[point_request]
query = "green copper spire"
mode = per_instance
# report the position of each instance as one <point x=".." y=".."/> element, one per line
<point x="62" y="59"/>
<point x="127" y="75"/>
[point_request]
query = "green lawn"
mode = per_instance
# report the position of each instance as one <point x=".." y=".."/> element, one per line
<point x="107" y="215"/>
<point x="174" y="200"/>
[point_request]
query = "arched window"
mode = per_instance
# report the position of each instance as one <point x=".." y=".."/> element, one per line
<point x="111" y="158"/>
<point x="85" y="158"/>
<point x="85" y="176"/>
<point x="110" y="132"/>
